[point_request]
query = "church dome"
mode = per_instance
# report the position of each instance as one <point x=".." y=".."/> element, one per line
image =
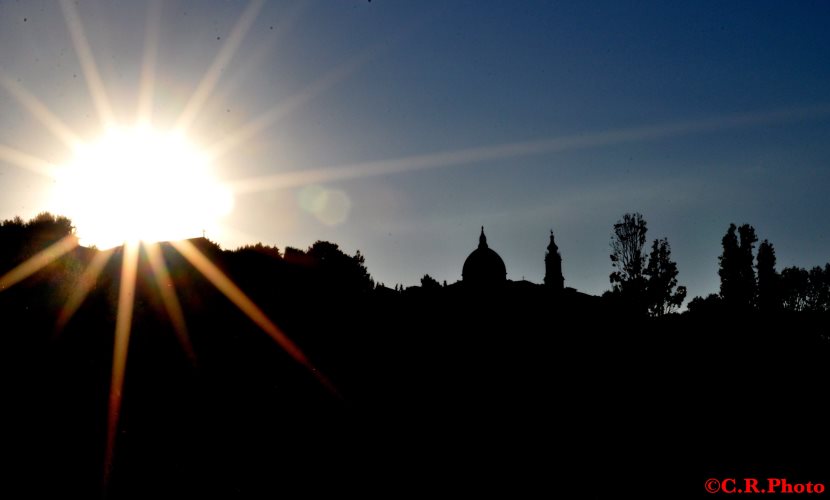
<point x="484" y="266"/>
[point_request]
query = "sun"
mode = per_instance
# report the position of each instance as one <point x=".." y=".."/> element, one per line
<point x="140" y="184"/>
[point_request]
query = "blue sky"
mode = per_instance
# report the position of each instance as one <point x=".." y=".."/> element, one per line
<point x="556" y="115"/>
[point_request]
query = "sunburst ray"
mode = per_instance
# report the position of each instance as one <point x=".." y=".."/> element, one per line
<point x="144" y="110"/>
<point x="309" y="92"/>
<point x="90" y="70"/>
<point x="123" y="322"/>
<point x="229" y="48"/>
<point x="525" y="148"/>
<point x="41" y="113"/>
<point x="85" y="284"/>
<point x="167" y="291"/>
<point x="255" y="59"/>
<point x="291" y="104"/>
<point x="38" y="261"/>
<point x="247" y="306"/>
<point x="26" y="161"/>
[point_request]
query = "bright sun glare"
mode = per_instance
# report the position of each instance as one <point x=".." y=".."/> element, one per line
<point x="140" y="184"/>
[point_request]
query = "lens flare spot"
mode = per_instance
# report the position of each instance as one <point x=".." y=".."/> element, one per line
<point x="329" y="206"/>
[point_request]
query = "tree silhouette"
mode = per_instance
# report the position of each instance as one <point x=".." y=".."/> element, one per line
<point x="627" y="256"/>
<point x="728" y="271"/>
<point x="820" y="287"/>
<point x="803" y="290"/>
<point x="259" y="248"/>
<point x="664" y="296"/>
<point x="746" y="266"/>
<point x="20" y="240"/>
<point x="643" y="286"/>
<point x="297" y="257"/>
<point x="769" y="295"/>
<point x="429" y="283"/>
<point x="710" y="305"/>
<point x="794" y="284"/>
<point x="338" y="268"/>
<point x="737" y="273"/>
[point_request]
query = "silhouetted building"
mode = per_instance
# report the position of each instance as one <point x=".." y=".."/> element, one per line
<point x="553" y="266"/>
<point x="484" y="267"/>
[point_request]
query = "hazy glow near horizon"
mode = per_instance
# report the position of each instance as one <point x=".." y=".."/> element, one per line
<point x="140" y="184"/>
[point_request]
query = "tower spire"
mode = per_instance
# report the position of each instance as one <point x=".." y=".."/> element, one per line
<point x="552" y="245"/>
<point x="553" y="266"/>
<point x="482" y="240"/>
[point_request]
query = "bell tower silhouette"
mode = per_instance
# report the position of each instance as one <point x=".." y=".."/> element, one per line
<point x="553" y="266"/>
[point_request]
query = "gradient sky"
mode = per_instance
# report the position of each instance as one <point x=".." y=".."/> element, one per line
<point x="405" y="126"/>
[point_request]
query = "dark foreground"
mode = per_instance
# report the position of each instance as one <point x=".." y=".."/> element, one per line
<point x="447" y="393"/>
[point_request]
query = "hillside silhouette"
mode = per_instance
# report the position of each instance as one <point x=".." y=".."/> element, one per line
<point x="484" y="385"/>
